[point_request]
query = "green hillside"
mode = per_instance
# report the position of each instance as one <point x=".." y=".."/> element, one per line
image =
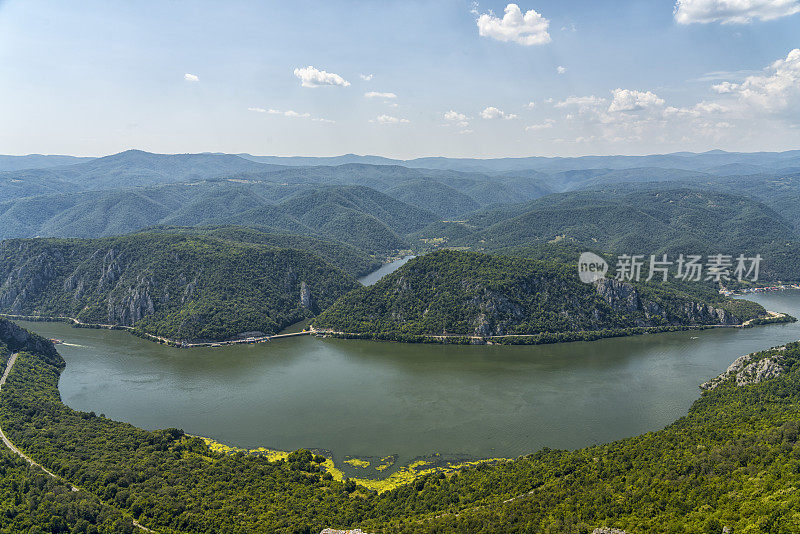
<point x="642" y="221"/>
<point x="466" y="293"/>
<point x="356" y="215"/>
<point x="346" y="257"/>
<point x="136" y="167"/>
<point x="183" y="287"/>
<point x="435" y="197"/>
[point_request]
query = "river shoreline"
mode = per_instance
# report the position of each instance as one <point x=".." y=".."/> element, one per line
<point x="542" y="338"/>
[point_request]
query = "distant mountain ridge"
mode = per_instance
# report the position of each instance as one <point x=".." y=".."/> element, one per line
<point x="628" y="220"/>
<point x="37" y="161"/>
<point x="703" y="161"/>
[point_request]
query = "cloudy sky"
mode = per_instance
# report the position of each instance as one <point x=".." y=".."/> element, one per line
<point x="399" y="78"/>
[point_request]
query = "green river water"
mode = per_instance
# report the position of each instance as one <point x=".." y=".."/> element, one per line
<point x="370" y="399"/>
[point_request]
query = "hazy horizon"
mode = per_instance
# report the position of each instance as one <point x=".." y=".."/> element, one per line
<point x="367" y="155"/>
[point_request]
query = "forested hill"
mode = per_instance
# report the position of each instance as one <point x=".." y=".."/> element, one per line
<point x="674" y="220"/>
<point x="348" y="258"/>
<point x="183" y="287"/>
<point x="466" y="293"/>
<point x="357" y="215"/>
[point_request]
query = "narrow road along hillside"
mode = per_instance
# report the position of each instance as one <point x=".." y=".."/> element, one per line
<point x="15" y="450"/>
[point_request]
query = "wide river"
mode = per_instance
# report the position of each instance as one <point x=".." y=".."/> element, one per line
<point x="370" y="399"/>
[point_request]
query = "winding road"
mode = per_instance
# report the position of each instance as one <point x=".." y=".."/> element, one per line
<point x="11" y="361"/>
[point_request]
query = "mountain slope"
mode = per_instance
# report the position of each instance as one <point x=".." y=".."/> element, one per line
<point x="629" y="219"/>
<point x="177" y="286"/>
<point x="348" y="258"/>
<point x="449" y="292"/>
<point x="434" y="196"/>
<point x="357" y="215"/>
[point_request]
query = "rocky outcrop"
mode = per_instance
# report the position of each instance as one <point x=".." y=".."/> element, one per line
<point x="334" y="531"/>
<point x="608" y="530"/>
<point x="132" y="307"/>
<point x="306" y="300"/>
<point x="624" y="296"/>
<point x="751" y="368"/>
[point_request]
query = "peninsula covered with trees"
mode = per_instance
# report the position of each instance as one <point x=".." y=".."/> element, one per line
<point x="452" y="293"/>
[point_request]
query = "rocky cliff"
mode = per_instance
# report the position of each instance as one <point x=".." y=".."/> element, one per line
<point x="753" y="368"/>
<point x="626" y="297"/>
<point x="182" y="287"/>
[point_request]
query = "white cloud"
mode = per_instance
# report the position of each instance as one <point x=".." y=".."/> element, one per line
<point x="530" y="105"/>
<point x="699" y="109"/>
<point x="191" y="77"/>
<point x="295" y="114"/>
<point x="631" y="100"/>
<point x="365" y="77"/>
<point x="313" y="77"/>
<point x="579" y="101"/>
<point x="493" y="113"/>
<point x="528" y="29"/>
<point x="454" y="117"/>
<point x="292" y="114"/>
<point x="778" y="88"/>
<point x="466" y="131"/>
<point x="548" y="123"/>
<point x="388" y="119"/>
<point x="724" y="75"/>
<point x="725" y="87"/>
<point x="710" y="107"/>
<point x="561" y="70"/>
<point x="733" y="11"/>
<point x="375" y="94"/>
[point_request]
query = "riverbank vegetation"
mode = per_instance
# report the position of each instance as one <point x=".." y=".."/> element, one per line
<point x="734" y="461"/>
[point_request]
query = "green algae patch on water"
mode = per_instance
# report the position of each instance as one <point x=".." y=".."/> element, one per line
<point x="271" y="454"/>
<point x="386" y="462"/>
<point x="356" y="462"/>
<point x="405" y="475"/>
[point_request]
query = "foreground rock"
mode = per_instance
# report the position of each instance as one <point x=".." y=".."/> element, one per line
<point x="751" y="368"/>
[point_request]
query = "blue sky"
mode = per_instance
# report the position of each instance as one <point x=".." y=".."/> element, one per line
<point x="449" y="77"/>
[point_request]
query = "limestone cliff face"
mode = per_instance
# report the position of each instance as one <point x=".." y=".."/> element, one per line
<point x="103" y="275"/>
<point x="625" y="297"/>
<point x="181" y="287"/>
<point x="751" y="368"/>
<point x="467" y="293"/>
<point x="306" y="299"/>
